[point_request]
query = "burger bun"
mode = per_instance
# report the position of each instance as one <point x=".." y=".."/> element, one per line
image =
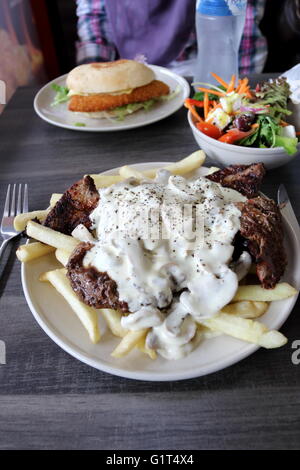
<point x="109" y="77"/>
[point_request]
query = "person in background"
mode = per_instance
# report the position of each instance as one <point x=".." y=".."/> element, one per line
<point x="160" y="31"/>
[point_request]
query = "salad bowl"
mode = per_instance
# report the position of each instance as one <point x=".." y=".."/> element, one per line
<point x="234" y="123"/>
<point x="224" y="154"/>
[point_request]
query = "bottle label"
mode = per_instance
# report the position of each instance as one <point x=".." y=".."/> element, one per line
<point x="221" y="7"/>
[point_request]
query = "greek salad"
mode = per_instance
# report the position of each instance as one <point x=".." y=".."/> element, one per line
<point x="237" y="114"/>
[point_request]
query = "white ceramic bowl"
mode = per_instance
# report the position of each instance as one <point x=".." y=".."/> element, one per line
<point x="226" y="154"/>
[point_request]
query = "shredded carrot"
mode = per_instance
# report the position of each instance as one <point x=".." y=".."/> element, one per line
<point x="198" y="103"/>
<point x="255" y="126"/>
<point x="230" y="87"/>
<point x="237" y="90"/>
<point x="298" y="133"/>
<point x="205" y="105"/>
<point x="220" y="80"/>
<point x="213" y="92"/>
<point x="193" y="111"/>
<point x="242" y="87"/>
<point x="283" y="123"/>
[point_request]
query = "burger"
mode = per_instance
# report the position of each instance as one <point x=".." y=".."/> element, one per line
<point x="113" y="89"/>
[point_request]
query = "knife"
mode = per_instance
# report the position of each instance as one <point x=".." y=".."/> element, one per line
<point x="287" y="211"/>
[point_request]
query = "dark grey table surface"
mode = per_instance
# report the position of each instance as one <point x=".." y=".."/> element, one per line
<point x="50" y="400"/>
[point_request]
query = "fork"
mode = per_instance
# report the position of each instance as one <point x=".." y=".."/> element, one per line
<point x="7" y="229"/>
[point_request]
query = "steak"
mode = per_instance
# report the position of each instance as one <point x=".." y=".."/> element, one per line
<point x="261" y="226"/>
<point x="74" y="207"/>
<point x="246" y="179"/>
<point x="94" y="288"/>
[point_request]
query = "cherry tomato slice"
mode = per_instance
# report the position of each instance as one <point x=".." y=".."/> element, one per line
<point x="209" y="129"/>
<point x="233" y="135"/>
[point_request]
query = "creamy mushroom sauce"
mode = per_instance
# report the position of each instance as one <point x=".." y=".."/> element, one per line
<point x="168" y="280"/>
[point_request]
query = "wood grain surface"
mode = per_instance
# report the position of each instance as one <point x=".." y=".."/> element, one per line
<point x="48" y="399"/>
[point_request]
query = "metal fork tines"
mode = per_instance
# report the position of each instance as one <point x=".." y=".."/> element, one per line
<point x="14" y="205"/>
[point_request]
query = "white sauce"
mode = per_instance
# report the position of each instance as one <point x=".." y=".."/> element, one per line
<point x="169" y="281"/>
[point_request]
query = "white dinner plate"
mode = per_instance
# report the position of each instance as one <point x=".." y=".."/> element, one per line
<point x="60" y="323"/>
<point x="60" y="116"/>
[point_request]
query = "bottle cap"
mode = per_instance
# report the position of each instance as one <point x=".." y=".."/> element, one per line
<point x="221" y="7"/>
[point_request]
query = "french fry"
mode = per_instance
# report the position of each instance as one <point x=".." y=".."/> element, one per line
<point x="21" y="220"/>
<point x="101" y="181"/>
<point x="54" y="199"/>
<point x="51" y="237"/>
<point x="129" y="172"/>
<point x="186" y="165"/>
<point x="141" y="345"/>
<point x="247" y="330"/>
<point x="246" y="309"/>
<point x="272" y="339"/>
<point x="62" y="256"/>
<point x="113" y="320"/>
<point x="207" y="333"/>
<point x="86" y="314"/>
<point x="129" y="342"/>
<point x="281" y="291"/>
<point x="32" y="251"/>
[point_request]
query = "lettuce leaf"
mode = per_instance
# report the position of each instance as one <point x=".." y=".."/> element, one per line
<point x="288" y="143"/>
<point x="61" y="94"/>
<point x="199" y="95"/>
<point x="265" y="135"/>
<point x="268" y="136"/>
<point x="274" y="93"/>
<point x="122" y="111"/>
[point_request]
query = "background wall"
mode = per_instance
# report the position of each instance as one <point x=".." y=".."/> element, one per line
<point x="21" y="58"/>
<point x="38" y="39"/>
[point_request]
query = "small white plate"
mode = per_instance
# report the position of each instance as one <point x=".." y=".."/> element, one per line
<point x="59" y="322"/>
<point x="60" y="116"/>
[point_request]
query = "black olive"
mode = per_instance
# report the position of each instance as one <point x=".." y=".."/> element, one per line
<point x="243" y="121"/>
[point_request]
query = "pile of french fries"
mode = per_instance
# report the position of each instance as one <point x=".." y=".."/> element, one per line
<point x="237" y="319"/>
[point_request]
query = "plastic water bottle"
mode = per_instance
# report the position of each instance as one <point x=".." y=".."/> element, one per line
<point x="219" y="25"/>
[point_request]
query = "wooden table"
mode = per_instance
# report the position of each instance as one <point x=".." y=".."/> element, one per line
<point x="50" y="400"/>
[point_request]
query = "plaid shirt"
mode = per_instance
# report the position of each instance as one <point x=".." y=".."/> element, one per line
<point x="95" y="43"/>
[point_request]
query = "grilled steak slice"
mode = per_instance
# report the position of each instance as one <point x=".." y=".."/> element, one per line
<point x="246" y="179"/>
<point x="74" y="207"/>
<point x="261" y="226"/>
<point x="94" y="288"/>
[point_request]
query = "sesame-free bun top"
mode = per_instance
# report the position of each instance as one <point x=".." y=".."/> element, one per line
<point x="109" y="77"/>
